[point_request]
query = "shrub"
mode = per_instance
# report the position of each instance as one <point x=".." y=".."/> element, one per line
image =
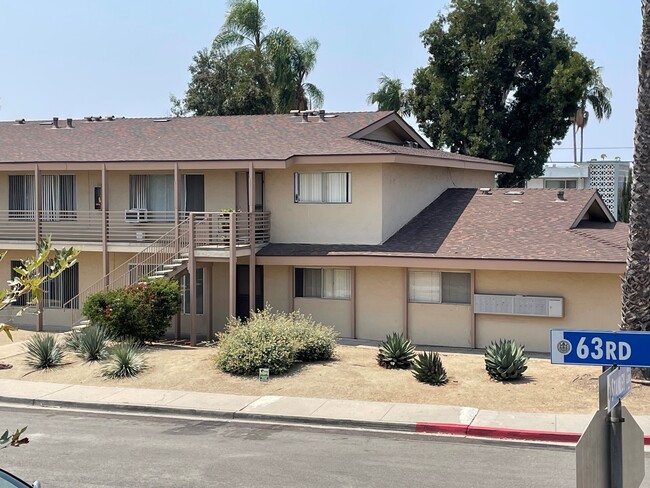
<point x="505" y="360"/>
<point x="273" y="340"/>
<point x="90" y="344"/>
<point x="259" y="343"/>
<point x="396" y="352"/>
<point x="125" y="360"/>
<point x="314" y="341"/>
<point x="428" y="368"/>
<point x="141" y="311"/>
<point x="43" y="351"/>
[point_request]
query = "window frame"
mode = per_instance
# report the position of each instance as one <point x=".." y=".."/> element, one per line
<point x="299" y="269"/>
<point x="441" y="287"/>
<point x="296" y="188"/>
<point x="563" y="182"/>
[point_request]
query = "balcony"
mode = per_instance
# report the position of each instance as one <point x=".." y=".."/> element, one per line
<point x="131" y="228"/>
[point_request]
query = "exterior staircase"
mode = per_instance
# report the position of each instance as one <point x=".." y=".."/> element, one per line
<point x="169" y="255"/>
<point x="165" y="257"/>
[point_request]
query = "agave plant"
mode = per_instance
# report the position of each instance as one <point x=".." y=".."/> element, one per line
<point x="125" y="360"/>
<point x="91" y="343"/>
<point x="396" y="352"/>
<point x="428" y="368"/>
<point x="72" y="340"/>
<point x="43" y="351"/>
<point x="505" y="360"/>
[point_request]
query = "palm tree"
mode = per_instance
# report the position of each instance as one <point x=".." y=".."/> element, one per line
<point x="390" y="95"/>
<point x="243" y="27"/>
<point x="292" y="62"/>
<point x="635" y="314"/>
<point x="598" y="96"/>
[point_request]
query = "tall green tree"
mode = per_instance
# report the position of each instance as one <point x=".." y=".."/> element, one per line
<point x="598" y="97"/>
<point x="292" y="61"/>
<point x="390" y="95"/>
<point x="226" y="83"/>
<point x="243" y="27"/>
<point x="502" y="83"/>
<point x="635" y="313"/>
<point x="249" y="70"/>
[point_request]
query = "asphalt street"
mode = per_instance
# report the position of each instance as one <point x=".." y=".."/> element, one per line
<point x="72" y="449"/>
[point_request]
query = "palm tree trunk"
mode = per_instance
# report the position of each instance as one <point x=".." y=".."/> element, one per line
<point x="635" y="312"/>
<point x="575" y="144"/>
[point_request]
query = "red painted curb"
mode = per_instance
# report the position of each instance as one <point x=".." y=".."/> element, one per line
<point x="522" y="434"/>
<point x="435" y="428"/>
<point x="501" y="433"/>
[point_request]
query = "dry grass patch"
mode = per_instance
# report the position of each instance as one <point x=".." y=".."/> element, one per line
<point x="355" y="375"/>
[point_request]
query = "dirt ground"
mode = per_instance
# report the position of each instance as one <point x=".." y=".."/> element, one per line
<point x="354" y="374"/>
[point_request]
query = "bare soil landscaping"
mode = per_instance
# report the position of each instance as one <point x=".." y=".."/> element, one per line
<point x="354" y="375"/>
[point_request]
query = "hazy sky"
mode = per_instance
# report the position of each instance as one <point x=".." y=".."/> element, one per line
<point x="74" y="58"/>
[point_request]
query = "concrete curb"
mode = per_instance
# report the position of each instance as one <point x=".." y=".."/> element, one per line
<point x="461" y="430"/>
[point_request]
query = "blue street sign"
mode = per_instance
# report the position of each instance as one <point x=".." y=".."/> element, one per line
<point x="619" y="384"/>
<point x="600" y="348"/>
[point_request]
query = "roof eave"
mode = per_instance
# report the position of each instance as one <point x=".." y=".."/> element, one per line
<point x="432" y="261"/>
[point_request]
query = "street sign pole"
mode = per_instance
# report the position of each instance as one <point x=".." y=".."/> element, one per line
<point x="615" y="420"/>
<point x="610" y="452"/>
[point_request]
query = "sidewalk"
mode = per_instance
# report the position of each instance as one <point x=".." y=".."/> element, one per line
<point x="400" y="417"/>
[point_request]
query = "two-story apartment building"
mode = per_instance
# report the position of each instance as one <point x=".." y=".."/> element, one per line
<point x="350" y="217"/>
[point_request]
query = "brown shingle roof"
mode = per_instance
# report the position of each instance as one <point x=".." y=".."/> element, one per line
<point x="231" y="138"/>
<point x="463" y="223"/>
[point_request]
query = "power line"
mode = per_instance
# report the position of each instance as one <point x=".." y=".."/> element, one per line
<point x="592" y="148"/>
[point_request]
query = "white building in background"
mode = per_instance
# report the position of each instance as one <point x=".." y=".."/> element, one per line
<point x="608" y="177"/>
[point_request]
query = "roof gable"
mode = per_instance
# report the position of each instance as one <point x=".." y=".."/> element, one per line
<point x="391" y="129"/>
<point x="594" y="210"/>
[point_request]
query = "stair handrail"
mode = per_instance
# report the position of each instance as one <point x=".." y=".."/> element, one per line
<point x="105" y="280"/>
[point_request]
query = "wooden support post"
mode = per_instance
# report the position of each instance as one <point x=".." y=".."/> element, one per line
<point x="177" y="205"/>
<point x="207" y="285"/>
<point x="406" y="302"/>
<point x="252" y="289"/>
<point x="472" y="330"/>
<point x="353" y="301"/>
<point x="292" y="289"/>
<point x="38" y="204"/>
<point x="104" y="211"/>
<point x="232" y="264"/>
<point x="192" y="271"/>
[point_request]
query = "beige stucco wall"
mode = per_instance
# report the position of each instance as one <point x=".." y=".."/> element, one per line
<point x="408" y="189"/>
<point x="380" y="301"/>
<point x="591" y="301"/>
<point x="277" y="287"/>
<point x="334" y="313"/>
<point x="440" y="324"/>
<point x="358" y="222"/>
